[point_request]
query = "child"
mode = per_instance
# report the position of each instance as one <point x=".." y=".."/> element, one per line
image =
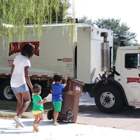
<point x="57" y="87"/>
<point x="38" y="108"/>
<point x="19" y="80"/>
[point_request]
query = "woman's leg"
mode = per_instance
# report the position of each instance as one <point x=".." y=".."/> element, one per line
<point x="27" y="99"/>
<point x="19" y="102"/>
<point x="19" y="106"/>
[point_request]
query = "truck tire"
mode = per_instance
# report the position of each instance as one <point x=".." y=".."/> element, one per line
<point x="6" y="93"/>
<point x="109" y="99"/>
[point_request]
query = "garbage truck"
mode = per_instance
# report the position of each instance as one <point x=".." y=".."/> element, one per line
<point x="88" y="58"/>
<point x="56" y="52"/>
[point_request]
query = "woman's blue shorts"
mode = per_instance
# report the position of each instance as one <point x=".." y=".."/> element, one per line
<point x="21" y="89"/>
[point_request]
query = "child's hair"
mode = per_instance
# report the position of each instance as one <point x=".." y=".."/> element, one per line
<point x="57" y="78"/>
<point x="36" y="88"/>
<point x="28" y="50"/>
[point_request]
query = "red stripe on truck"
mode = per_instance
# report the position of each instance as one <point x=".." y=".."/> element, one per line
<point x="34" y="75"/>
<point x="44" y="76"/>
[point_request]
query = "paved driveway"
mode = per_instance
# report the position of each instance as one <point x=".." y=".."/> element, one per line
<point x="128" y="119"/>
<point x="65" y="131"/>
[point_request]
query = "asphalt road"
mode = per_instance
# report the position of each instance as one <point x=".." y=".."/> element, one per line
<point x="127" y="119"/>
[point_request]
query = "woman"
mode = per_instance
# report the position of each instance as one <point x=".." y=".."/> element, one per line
<point x="19" y="80"/>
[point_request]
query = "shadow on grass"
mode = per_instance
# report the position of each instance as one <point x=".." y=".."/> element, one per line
<point x="11" y="105"/>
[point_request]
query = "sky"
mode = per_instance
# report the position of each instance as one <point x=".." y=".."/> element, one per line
<point x="128" y="11"/>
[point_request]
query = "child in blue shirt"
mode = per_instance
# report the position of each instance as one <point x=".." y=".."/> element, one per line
<point x="57" y="87"/>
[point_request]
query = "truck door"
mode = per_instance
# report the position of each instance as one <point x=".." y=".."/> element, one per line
<point x="130" y="76"/>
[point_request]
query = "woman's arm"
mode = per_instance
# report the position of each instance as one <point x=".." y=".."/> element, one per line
<point x="26" y="70"/>
<point x="12" y="68"/>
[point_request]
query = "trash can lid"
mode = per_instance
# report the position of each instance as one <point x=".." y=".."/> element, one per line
<point x="77" y="80"/>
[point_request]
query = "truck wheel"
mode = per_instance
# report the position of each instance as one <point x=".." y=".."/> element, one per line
<point x="69" y="116"/>
<point x="109" y="99"/>
<point x="6" y="93"/>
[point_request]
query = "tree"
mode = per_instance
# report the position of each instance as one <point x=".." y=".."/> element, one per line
<point x="18" y="13"/>
<point x="84" y="19"/>
<point x="119" y="29"/>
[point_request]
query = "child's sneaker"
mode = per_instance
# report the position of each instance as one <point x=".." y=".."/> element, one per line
<point x="55" y="123"/>
<point x="17" y="120"/>
<point x="36" y="129"/>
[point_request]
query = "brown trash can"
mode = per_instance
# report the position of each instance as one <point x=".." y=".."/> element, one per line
<point x="70" y="104"/>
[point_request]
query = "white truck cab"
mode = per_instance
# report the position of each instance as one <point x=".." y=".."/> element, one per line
<point x="128" y="66"/>
<point x="121" y="87"/>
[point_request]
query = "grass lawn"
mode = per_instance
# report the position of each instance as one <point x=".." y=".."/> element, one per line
<point x="11" y="105"/>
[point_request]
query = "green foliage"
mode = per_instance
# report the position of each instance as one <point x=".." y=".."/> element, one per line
<point x="118" y="28"/>
<point x="18" y="13"/>
<point x="85" y="20"/>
